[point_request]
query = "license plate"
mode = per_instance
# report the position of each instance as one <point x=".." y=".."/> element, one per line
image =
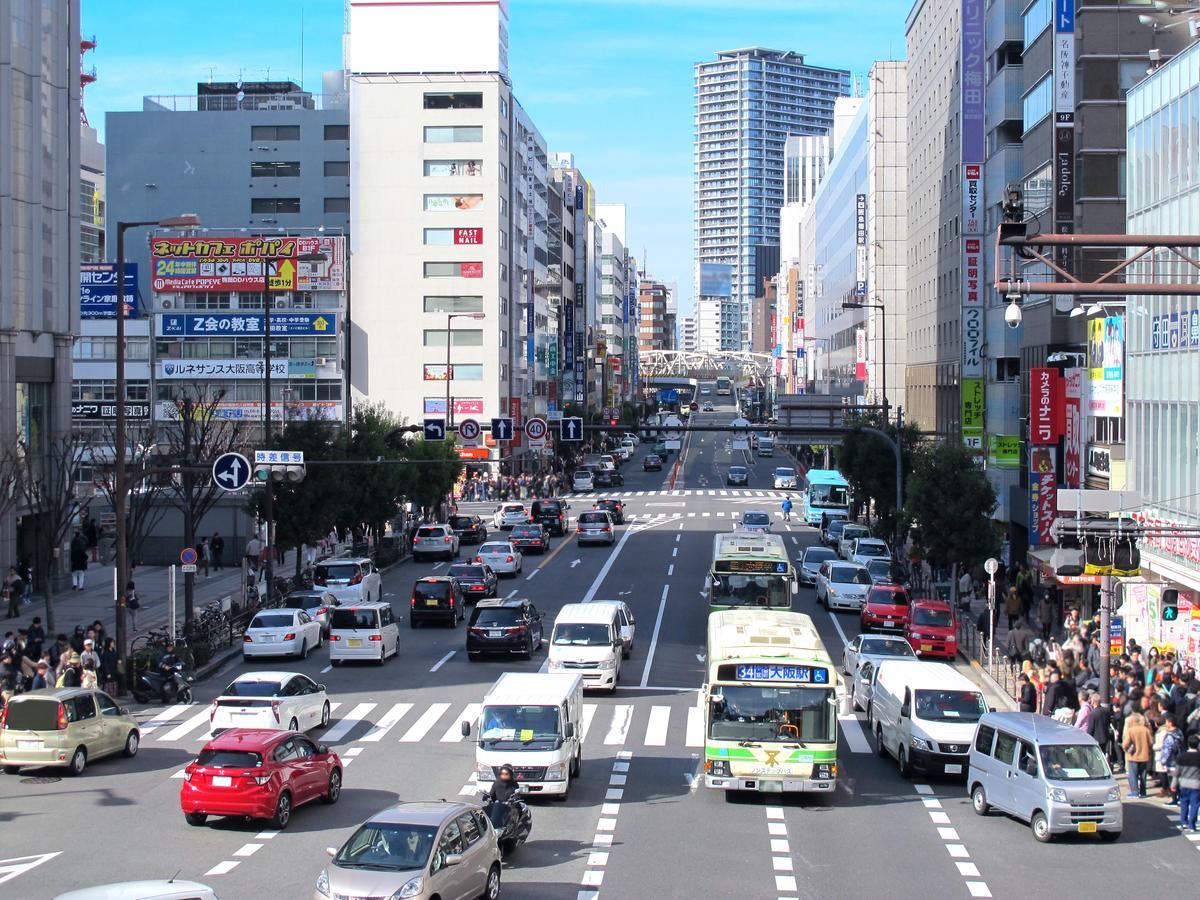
<point x="495" y="634"/>
<point x="927" y="648"/>
<point x="222" y="781"/>
<point x="1087" y="827"/>
<point x="29" y="745"/>
<point x="889" y="624"/>
<point x="431" y="602"/>
<point x="953" y="769"/>
<point x="354" y="642"/>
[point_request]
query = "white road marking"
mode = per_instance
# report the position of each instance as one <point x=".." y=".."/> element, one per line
<point x="247" y="850"/>
<point x="441" y="662"/>
<point x="223" y="867"/>
<point x="958" y="850"/>
<point x="454" y="733"/>
<point x="265" y="835"/>
<point x="691" y="515"/>
<point x="532" y="575"/>
<point x="677" y="537"/>
<point x="387" y="723"/>
<point x="674" y="552"/>
<point x="189" y="725"/>
<point x="978" y="889"/>
<point x="328" y="668"/>
<point x="695" y="728"/>
<point x="575" y="562"/>
<point x="785" y="882"/>
<point x="511" y="594"/>
<point x="939" y="818"/>
<point x="421" y="727"/>
<point x="618" y="730"/>
<point x="166" y="717"/>
<point x="662" y="605"/>
<point x="347" y="722"/>
<point x="589" y="713"/>
<point x="352" y="751"/>
<point x="968" y="869"/>
<point x="670" y="570"/>
<point x="656" y="727"/>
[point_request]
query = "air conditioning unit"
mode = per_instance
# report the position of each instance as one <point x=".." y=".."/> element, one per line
<point x="323" y="361"/>
<point x="167" y="304"/>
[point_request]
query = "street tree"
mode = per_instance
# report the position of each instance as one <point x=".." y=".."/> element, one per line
<point x="374" y="494"/>
<point x="431" y="475"/>
<point x="144" y="507"/>
<point x="869" y="464"/>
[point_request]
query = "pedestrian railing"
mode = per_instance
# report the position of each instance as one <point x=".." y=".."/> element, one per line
<point x="973" y="644"/>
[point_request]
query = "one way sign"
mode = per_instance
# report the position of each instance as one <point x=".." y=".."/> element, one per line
<point x="502" y="429"/>
<point x="572" y="429"/>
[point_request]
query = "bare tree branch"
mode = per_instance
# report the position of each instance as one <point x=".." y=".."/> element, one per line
<point x="143" y="503"/>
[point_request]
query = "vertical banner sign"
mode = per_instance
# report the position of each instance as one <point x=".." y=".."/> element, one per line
<point x="1045" y="406"/>
<point x="518" y="425"/>
<point x="972" y="57"/>
<point x="1073" y="428"/>
<point x="860" y="354"/>
<point x="530" y="317"/>
<point x="860" y="240"/>
<point x="1064" y="121"/>
<point x="1043" y="495"/>
<point x="568" y="360"/>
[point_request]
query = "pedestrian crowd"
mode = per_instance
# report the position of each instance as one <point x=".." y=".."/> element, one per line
<point x="29" y="661"/>
<point x="486" y="487"/>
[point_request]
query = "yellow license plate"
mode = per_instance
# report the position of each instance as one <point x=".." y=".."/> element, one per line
<point x="1087" y="827"/>
<point x="927" y="648"/>
<point x="354" y="642"/>
<point x="431" y="602"/>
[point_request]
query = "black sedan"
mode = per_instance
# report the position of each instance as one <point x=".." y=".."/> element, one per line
<point x="477" y="580"/>
<point x="530" y="538"/>
<point x="504" y="626"/>
<point x="606" y="478"/>
<point x="614" y="508"/>
<point x="652" y="463"/>
<point x="470" y="529"/>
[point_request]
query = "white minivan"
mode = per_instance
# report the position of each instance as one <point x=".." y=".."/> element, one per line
<point x="587" y="639"/>
<point x="532" y="721"/>
<point x="363" y="631"/>
<point x="924" y="714"/>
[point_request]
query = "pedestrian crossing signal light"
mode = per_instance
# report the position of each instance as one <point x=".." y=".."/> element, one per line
<point x="290" y="474"/>
<point x="612" y="421"/>
<point x="1170" y="605"/>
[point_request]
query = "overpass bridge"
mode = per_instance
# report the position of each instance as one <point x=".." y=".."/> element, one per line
<point x="705" y="363"/>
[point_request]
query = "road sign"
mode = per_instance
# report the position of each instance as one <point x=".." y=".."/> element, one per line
<point x="668" y="395"/>
<point x="572" y="429"/>
<point x="435" y="429"/>
<point x="468" y="430"/>
<point x="502" y="429"/>
<point x="535" y="428"/>
<point x="284" y="457"/>
<point x="741" y="437"/>
<point x="991" y="566"/>
<point x="188" y="556"/>
<point x="188" y="568"/>
<point x="231" y="471"/>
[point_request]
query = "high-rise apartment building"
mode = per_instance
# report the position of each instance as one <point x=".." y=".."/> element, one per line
<point x="688" y="338"/>
<point x="747" y="104"/>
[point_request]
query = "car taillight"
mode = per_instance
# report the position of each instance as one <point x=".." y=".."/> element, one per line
<point x="246" y="639"/>
<point x="4" y="717"/>
<point x="445" y="540"/>
<point x="479" y="559"/>
<point x="261" y="779"/>
<point x="516" y="629"/>
<point x="275" y="709"/>
<point x="375" y="637"/>
<point x="357" y="579"/>
<point x="290" y="636"/>
<point x="508" y="558"/>
<point x="413" y="602"/>
<point x="451" y="601"/>
<point x="607" y="528"/>
<point x="335" y="637"/>
<point x="212" y="711"/>
<point x="61" y="724"/>
<point x="415" y="541"/>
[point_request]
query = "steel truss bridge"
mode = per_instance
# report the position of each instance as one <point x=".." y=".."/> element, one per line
<point x="704" y="363"/>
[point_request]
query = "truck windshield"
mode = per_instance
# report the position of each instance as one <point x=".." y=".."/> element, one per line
<point x="519" y="727"/>
<point x="1074" y="762"/>
<point x="771" y="714"/>
<point x="751" y="590"/>
<point x="956" y="706"/>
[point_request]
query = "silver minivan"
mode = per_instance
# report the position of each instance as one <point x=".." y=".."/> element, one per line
<point x="1048" y="774"/>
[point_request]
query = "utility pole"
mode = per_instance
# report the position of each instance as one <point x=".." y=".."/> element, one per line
<point x="187" y="411"/>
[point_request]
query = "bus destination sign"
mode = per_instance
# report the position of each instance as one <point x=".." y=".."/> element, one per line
<point x="775" y="672"/>
<point x="751" y="566"/>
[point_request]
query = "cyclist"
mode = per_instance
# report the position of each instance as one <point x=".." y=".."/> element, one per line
<point x="787" y="509"/>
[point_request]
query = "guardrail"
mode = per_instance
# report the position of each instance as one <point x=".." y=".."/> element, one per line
<point x="973" y="646"/>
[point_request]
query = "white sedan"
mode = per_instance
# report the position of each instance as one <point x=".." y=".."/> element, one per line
<point x="281" y="701"/>
<point x="842" y="585"/>
<point x="503" y="557"/>
<point x="876" y="647"/>
<point x="785" y="479"/>
<point x="867" y="549"/>
<point x="281" y="632"/>
<point x="510" y="514"/>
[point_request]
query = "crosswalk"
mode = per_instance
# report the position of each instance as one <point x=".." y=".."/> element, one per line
<point x="697" y="492"/>
<point x="610" y="724"/>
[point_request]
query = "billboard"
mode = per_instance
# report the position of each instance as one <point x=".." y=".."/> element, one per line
<point x="716" y="280"/>
<point x="220" y="368"/>
<point x="86" y="411"/>
<point x="463" y="406"/>
<point x="1004" y="451"/>
<point x="98" y="291"/>
<point x="1106" y="352"/>
<point x="251" y="411"/>
<point x="1045" y="406"/>
<point x="239" y="264"/>
<point x="1073" y="425"/>
<point x="237" y="324"/>
<point x="1043" y="495"/>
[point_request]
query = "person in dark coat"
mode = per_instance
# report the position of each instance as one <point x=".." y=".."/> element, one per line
<point x="505" y="785"/>
<point x="79" y="561"/>
<point x="217" y="545"/>
<point x="1018" y="643"/>
<point x="1100" y="724"/>
<point x="1058" y="694"/>
<point x="1028" y="696"/>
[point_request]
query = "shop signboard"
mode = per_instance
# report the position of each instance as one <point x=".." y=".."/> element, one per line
<point x="98" y="291"/>
<point x="177" y="369"/>
<point x="241" y="324"/>
<point x="1106" y="349"/>
<point x="1045" y="406"/>
<point x="463" y="406"/>
<point x="241" y="263"/>
<point x="1004" y="451"/>
<point x="1043" y="495"/>
<point x="1073" y="427"/>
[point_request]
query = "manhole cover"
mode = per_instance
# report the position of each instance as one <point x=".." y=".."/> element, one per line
<point x="45" y="779"/>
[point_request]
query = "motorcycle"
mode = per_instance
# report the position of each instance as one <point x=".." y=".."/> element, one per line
<point x="512" y="820"/>
<point x="166" y="684"/>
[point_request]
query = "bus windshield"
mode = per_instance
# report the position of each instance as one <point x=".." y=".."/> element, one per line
<point x="827" y="495"/>
<point x="770" y="713"/>
<point x="752" y="590"/>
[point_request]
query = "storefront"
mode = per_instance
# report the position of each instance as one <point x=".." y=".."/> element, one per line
<point x="1078" y="591"/>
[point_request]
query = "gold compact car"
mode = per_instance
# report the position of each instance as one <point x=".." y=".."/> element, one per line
<point x="64" y="727"/>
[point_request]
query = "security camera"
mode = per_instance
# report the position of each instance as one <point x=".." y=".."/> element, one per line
<point x="1012" y="315"/>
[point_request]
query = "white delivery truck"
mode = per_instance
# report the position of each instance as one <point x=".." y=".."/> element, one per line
<point x="533" y="722"/>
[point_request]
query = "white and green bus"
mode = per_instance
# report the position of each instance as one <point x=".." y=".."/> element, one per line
<point x="769" y="704"/>
<point x="750" y="569"/>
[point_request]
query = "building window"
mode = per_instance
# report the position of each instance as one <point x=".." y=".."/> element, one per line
<point x="274" y="170"/>
<point x="1036" y="19"/>
<point x="1037" y="102"/>
<point x="448" y="134"/>
<point x="274" y="132"/>
<point x="459" y="337"/>
<point x="451" y="202"/>
<point x="454" y="270"/>
<point x="447" y="305"/>
<point x="337" y="132"/>
<point x="274" y="205"/>
<point x="444" y="168"/>
<point x="503" y="140"/>
<point x="454" y="101"/>
<point x="337" y="204"/>
<point x="335" y="168"/>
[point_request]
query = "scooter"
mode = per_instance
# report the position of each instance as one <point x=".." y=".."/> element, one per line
<point x="512" y="820"/>
<point x="168" y="686"/>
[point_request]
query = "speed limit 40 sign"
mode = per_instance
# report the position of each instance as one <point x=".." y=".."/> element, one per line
<point x="535" y="430"/>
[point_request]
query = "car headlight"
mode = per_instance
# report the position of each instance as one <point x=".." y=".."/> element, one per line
<point x="323" y="883"/>
<point x="1058" y="795"/>
<point x="833" y="590"/>
<point x="608" y="663"/>
<point x="414" y="887"/>
<point x="556" y="772"/>
<point x="1114" y="794"/>
<point x="555" y="664"/>
<point x="483" y="772"/>
<point x="919" y="744"/>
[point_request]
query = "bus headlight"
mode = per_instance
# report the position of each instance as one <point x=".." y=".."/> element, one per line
<point x="717" y="767"/>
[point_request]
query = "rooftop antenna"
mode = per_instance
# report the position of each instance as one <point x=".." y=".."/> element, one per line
<point x="85" y="77"/>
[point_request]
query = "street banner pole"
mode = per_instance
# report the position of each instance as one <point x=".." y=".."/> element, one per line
<point x="171" y="602"/>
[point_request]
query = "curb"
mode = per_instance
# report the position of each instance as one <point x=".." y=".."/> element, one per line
<point x="994" y="685"/>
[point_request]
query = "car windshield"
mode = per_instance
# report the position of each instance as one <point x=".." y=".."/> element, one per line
<point x="462" y="570"/>
<point x="785" y="473"/>
<point x="438" y="590"/>
<point x="815" y="555"/>
<point x="253" y="688"/>
<point x="888" y="598"/>
<point x="1074" y="762"/>
<point x="737" y="470"/>
<point x="229" y="759"/>
<point x="581" y="634"/>
<point x="880" y="647"/>
<point x="960" y="706"/>
<point x="32" y="714"/>
<point x="461" y="522"/>
<point x="751" y="590"/>
<point x="354" y="618"/>
<point x="756" y="518"/>
<point x="938" y="618"/>
<point x="519" y="727"/>
<point x="495" y="548"/>
<point x="388" y="846"/>
<point x="771" y="714"/>
<point x="849" y="575"/>
<point x="273" y="620"/>
<point x="499" y="617"/>
<point x="330" y="573"/>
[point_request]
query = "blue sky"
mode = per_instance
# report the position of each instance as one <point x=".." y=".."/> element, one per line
<point x="608" y="80"/>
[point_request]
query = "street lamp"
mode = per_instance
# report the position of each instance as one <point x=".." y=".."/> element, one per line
<point x="857" y="304"/>
<point x="450" y="317"/>
<point x="120" y="487"/>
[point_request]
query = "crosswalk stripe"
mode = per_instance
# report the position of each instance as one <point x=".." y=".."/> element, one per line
<point x="691" y="515"/>
<point x="589" y="713"/>
<point x="421" y="727"/>
<point x="695" y="728"/>
<point x="720" y="512"/>
<point x="166" y="717"/>
<point x="186" y="727"/>
<point x="656" y="728"/>
<point x="342" y="727"/>
<point x="387" y="723"/>
<point x="619" y="729"/>
<point x="454" y="732"/>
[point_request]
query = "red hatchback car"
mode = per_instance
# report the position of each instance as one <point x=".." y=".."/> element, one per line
<point x="885" y="609"/>
<point x="259" y="774"/>
<point x="931" y="629"/>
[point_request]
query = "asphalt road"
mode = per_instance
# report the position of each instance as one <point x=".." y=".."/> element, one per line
<point x="638" y="824"/>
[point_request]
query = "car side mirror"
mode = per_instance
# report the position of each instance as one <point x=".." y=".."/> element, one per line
<point x="569" y="729"/>
<point x="123" y="710"/>
<point x="321" y="687"/>
<point x="322" y="749"/>
<point x="905" y="711"/>
<point x="452" y="859"/>
<point x="332" y="851"/>
<point x="466" y="729"/>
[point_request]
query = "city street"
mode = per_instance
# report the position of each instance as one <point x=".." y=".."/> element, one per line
<point x="639" y="823"/>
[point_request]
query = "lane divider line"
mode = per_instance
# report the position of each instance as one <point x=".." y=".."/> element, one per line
<point x="951" y="841"/>
<point x="662" y="606"/>
<point x="606" y="825"/>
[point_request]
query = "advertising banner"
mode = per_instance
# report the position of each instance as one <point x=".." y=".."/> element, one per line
<point x="1045" y="406"/>
<point x="87" y="411"/>
<point x="452" y="202"/>
<point x="972" y="407"/>
<point x="514" y="411"/>
<point x="1106" y="352"/>
<point x="973" y="199"/>
<point x="860" y="354"/>
<point x="973" y="58"/>
<point x="860" y="240"/>
<point x="716" y="280"/>
<point x="326" y="410"/>
<point x="237" y="324"/>
<point x="1073" y="423"/>
<point x="1004" y="451"/>
<point x="220" y="368"/>
<point x="1043" y="495"/>
<point x="238" y="264"/>
<point x="1064" y="121"/>
<point x="468" y="236"/>
<point x="463" y="406"/>
<point x="438" y="372"/>
<point x="98" y="291"/>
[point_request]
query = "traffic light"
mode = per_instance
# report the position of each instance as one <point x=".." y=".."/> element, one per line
<point x="278" y="472"/>
<point x="612" y="421"/>
<point x="1170" y="605"/>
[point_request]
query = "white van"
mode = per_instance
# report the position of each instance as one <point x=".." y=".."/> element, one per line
<point x="1051" y="775"/>
<point x="587" y="638"/>
<point x="924" y="714"/>
<point x="363" y="631"/>
<point x="532" y="721"/>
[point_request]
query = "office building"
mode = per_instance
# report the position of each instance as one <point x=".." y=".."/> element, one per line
<point x="656" y="323"/>
<point x="747" y="104"/>
<point x="689" y="339"/>
<point x="763" y="318"/>
<point x="40" y="165"/>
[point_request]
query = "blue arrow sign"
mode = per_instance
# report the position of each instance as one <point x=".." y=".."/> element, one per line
<point x="435" y="429"/>
<point x="231" y="471"/>
<point x="572" y="429"/>
<point x="502" y="429"/>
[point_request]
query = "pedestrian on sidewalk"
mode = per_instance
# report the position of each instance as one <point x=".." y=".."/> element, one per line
<point x="1168" y="758"/>
<point x="79" y="561"/>
<point x="132" y="605"/>
<point x="217" y="544"/>
<point x="204" y="552"/>
<point x="254" y="550"/>
<point x="1137" y="744"/>
<point x="69" y="674"/>
<point x="108" y="667"/>
<point x="1028" y="694"/>
<point x="92" y="536"/>
<point x="89" y="654"/>
<point x="13" y="588"/>
<point x="1013" y="607"/>
<point x="1188" y="764"/>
